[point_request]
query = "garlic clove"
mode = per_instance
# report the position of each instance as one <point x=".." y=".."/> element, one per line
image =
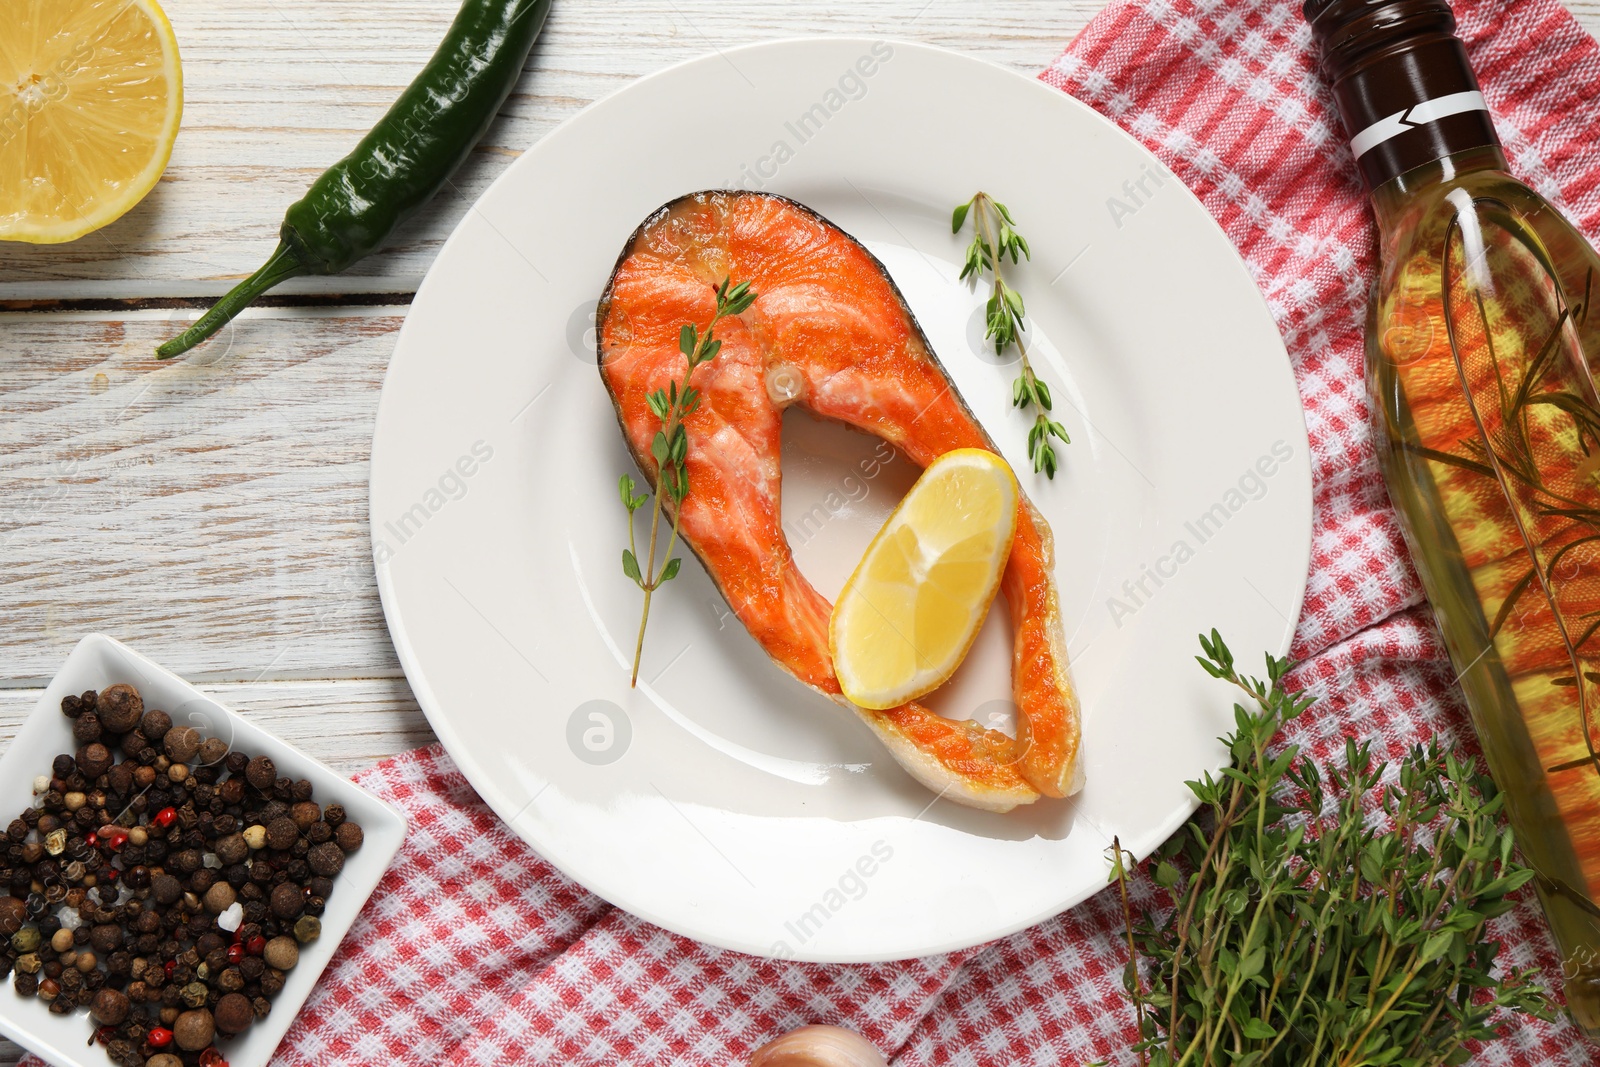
<point x="818" y="1046"/>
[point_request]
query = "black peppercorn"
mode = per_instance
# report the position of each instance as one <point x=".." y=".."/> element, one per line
<point x="94" y="758"/>
<point x="154" y="725"/>
<point x="304" y="813"/>
<point x="234" y="1013"/>
<point x="181" y="743"/>
<point x="106" y="938"/>
<point x="194" y="1030"/>
<point x="13" y="913"/>
<point x="109" y="1007"/>
<point x="326" y="859"/>
<point x="119" y="707"/>
<point x="231" y="848"/>
<point x="261" y="772"/>
<point x="166" y="889"/>
<point x="288" y="901"/>
<point x="63" y="765"/>
<point x="282" y="833"/>
<point x="86" y="728"/>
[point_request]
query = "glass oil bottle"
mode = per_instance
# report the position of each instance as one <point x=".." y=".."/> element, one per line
<point x="1480" y="362"/>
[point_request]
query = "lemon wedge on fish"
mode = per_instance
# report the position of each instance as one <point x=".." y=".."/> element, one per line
<point x="909" y="613"/>
<point x="91" y="94"/>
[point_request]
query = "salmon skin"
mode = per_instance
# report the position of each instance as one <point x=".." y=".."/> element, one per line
<point x="829" y="316"/>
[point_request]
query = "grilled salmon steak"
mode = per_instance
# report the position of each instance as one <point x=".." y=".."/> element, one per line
<point x="832" y="332"/>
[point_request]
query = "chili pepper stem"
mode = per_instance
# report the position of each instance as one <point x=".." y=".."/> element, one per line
<point x="283" y="265"/>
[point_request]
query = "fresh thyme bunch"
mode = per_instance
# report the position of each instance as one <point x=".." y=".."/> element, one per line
<point x="1297" y="935"/>
<point x="993" y="239"/>
<point x="670" y="450"/>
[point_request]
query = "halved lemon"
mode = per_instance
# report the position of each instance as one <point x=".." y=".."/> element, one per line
<point x="91" y="93"/>
<point x="909" y="613"/>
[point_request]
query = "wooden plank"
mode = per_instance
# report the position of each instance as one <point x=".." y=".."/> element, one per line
<point x="211" y="513"/>
<point x="276" y="90"/>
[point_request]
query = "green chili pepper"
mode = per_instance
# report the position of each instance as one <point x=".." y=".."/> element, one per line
<point x="402" y="162"/>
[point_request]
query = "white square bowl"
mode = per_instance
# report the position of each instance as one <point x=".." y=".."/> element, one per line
<point x="98" y="661"/>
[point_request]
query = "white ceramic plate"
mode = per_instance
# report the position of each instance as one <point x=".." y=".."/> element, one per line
<point x="98" y="661"/>
<point x="721" y="799"/>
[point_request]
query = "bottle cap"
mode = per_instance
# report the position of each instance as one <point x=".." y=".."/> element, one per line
<point x="1402" y="82"/>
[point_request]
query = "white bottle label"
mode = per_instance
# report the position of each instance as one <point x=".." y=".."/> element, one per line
<point x="1412" y="117"/>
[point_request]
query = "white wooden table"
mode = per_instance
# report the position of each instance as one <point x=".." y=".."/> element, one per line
<point x="212" y="513"/>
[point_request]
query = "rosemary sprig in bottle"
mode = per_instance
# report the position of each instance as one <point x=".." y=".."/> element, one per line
<point x="1295" y="934"/>
<point x="670" y="450"/>
<point x="993" y="239"/>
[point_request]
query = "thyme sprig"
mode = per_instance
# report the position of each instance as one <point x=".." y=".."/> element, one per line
<point x="1294" y="933"/>
<point x="994" y="237"/>
<point x="670" y="451"/>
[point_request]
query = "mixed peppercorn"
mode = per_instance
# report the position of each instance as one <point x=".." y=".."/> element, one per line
<point x="168" y="891"/>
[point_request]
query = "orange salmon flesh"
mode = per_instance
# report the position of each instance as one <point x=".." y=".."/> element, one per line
<point x="829" y="312"/>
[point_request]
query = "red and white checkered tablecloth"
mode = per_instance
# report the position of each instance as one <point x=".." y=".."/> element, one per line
<point x="476" y="950"/>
